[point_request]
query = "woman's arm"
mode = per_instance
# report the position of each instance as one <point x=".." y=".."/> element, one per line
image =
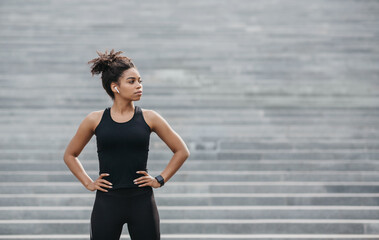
<point x="75" y="147"/>
<point x="160" y="126"/>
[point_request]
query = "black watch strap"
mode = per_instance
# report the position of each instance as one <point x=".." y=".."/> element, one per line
<point x="160" y="179"/>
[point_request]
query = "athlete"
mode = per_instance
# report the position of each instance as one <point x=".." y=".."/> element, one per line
<point x="124" y="188"/>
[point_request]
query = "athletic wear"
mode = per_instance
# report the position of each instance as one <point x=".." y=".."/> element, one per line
<point x="122" y="151"/>
<point x="135" y="206"/>
<point x="122" y="148"/>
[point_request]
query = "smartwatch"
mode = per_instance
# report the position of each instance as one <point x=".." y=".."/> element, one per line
<point x="160" y="179"/>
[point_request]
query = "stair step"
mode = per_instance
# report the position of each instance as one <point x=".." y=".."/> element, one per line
<point x="194" y="199"/>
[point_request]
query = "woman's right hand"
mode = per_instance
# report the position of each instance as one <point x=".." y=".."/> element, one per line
<point x="98" y="183"/>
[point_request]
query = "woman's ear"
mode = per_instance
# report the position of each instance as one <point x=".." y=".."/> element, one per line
<point x="114" y="88"/>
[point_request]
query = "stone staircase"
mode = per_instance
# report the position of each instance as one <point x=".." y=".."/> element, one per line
<point x="277" y="101"/>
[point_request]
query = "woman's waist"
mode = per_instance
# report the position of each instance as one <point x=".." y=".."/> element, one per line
<point x="127" y="191"/>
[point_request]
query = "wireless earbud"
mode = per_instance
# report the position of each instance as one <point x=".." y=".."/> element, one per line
<point x="117" y="90"/>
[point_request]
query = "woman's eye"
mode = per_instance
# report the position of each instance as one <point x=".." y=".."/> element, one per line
<point x="133" y="81"/>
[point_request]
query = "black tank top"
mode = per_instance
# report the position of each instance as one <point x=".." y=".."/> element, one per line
<point x="122" y="148"/>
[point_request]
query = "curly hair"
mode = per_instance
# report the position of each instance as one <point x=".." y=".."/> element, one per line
<point x="111" y="66"/>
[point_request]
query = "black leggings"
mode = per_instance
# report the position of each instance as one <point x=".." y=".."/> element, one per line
<point x="134" y="206"/>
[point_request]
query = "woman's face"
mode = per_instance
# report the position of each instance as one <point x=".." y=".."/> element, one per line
<point x="129" y="85"/>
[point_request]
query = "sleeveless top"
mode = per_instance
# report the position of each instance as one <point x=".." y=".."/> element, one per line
<point x="122" y="148"/>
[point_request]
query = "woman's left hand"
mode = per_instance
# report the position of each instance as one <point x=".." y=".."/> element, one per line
<point x="146" y="180"/>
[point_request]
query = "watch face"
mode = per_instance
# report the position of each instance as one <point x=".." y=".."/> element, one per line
<point x="160" y="180"/>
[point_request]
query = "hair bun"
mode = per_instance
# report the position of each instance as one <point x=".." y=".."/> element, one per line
<point x="112" y="66"/>
<point x="104" y="61"/>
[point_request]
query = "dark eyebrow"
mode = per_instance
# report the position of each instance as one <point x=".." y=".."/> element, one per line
<point x="132" y="78"/>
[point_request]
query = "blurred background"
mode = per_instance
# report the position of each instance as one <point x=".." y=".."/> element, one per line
<point x="277" y="101"/>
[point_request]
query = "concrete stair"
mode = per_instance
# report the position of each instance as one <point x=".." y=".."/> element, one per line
<point x="277" y="101"/>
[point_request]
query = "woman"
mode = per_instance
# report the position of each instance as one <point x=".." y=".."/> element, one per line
<point x="124" y="188"/>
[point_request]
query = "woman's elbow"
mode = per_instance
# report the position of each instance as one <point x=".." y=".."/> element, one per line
<point x="183" y="152"/>
<point x="187" y="153"/>
<point x="67" y="156"/>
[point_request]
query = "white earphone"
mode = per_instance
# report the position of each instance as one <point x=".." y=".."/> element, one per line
<point x="117" y="90"/>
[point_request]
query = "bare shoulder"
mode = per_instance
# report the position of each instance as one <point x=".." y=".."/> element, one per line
<point x="83" y="134"/>
<point x="151" y="117"/>
<point x="163" y="129"/>
<point x="94" y="118"/>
